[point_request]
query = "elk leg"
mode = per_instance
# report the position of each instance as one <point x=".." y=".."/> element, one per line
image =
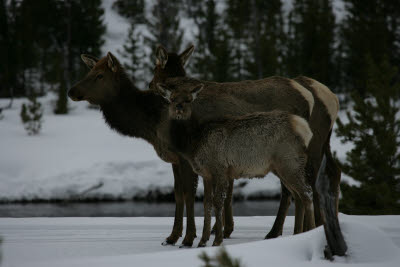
<point x="282" y="212"/>
<point x="228" y="214"/>
<point x="333" y="171"/>
<point x="179" y="206"/>
<point x="207" y="211"/>
<point x="190" y="180"/>
<point x="299" y="215"/>
<point x="306" y="196"/>
<point x="218" y="201"/>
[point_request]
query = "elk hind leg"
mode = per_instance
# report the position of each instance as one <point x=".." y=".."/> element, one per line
<point x="284" y="204"/>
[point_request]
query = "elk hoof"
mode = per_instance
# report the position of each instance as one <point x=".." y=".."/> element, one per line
<point x="201" y="244"/>
<point x="185" y="246"/>
<point x="168" y="243"/>
<point x="271" y="235"/>
<point x="216" y="243"/>
<point x="227" y="233"/>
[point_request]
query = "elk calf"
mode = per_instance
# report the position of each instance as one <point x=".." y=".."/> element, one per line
<point x="236" y="147"/>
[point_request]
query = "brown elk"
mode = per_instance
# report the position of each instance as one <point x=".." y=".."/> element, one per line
<point x="243" y="146"/>
<point x="326" y="106"/>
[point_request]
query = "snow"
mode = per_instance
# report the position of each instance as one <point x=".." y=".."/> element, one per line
<point x="116" y="29"/>
<point x="78" y="152"/>
<point x="372" y="241"/>
<point x="77" y="156"/>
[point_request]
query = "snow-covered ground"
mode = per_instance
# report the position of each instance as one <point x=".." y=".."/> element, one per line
<point x="372" y="241"/>
<point x="77" y="156"/>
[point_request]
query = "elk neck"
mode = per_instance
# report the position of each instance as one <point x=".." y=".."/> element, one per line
<point x="134" y="112"/>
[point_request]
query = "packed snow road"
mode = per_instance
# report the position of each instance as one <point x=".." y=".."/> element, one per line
<point x="372" y="240"/>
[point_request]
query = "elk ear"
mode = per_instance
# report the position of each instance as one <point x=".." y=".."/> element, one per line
<point x="195" y="91"/>
<point x="162" y="56"/>
<point x="112" y="62"/>
<point x="166" y="92"/>
<point x="185" y="55"/>
<point x="89" y="60"/>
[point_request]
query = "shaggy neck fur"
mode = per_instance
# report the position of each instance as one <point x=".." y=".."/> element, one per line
<point x="133" y="112"/>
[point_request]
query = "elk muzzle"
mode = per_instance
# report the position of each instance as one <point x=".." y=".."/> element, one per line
<point x="74" y="94"/>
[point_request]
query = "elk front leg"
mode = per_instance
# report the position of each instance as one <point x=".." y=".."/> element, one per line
<point x="218" y="201"/>
<point x="228" y="214"/>
<point x="190" y="181"/>
<point x="277" y="228"/>
<point x="208" y="198"/>
<point x="179" y="205"/>
<point x="299" y="215"/>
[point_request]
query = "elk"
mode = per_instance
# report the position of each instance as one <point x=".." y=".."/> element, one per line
<point x="249" y="146"/>
<point x="283" y="95"/>
<point x="137" y="113"/>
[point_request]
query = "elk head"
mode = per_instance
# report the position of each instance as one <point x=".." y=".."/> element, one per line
<point x="180" y="100"/>
<point x="101" y="83"/>
<point x="169" y="65"/>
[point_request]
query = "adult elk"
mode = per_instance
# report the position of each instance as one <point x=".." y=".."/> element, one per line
<point x="292" y="95"/>
<point x="242" y="146"/>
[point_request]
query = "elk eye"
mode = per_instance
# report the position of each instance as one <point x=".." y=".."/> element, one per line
<point x="99" y="77"/>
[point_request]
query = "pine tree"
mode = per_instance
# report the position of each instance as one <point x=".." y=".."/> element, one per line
<point x="79" y="31"/>
<point x="133" y="10"/>
<point x="237" y="18"/>
<point x="369" y="28"/>
<point x="205" y="18"/>
<point x="374" y="129"/>
<point x="6" y="51"/>
<point x="310" y="42"/>
<point x="213" y="57"/>
<point x="164" y="25"/>
<point x="31" y="116"/>
<point x="265" y="39"/>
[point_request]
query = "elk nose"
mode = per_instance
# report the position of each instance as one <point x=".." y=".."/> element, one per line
<point x="71" y="92"/>
<point x="179" y="106"/>
<point x="73" y="95"/>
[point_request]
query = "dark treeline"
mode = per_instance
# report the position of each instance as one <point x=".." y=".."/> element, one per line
<point x="41" y="40"/>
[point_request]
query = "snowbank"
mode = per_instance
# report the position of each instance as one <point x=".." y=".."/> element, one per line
<point x="136" y="242"/>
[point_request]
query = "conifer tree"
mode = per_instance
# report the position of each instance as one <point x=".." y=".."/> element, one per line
<point x="310" y="44"/>
<point x="374" y="129"/>
<point x="237" y="19"/>
<point x="369" y="28"/>
<point x="163" y="25"/>
<point x="133" y="10"/>
<point x="31" y="116"/>
<point x="213" y="55"/>
<point x="265" y="39"/>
